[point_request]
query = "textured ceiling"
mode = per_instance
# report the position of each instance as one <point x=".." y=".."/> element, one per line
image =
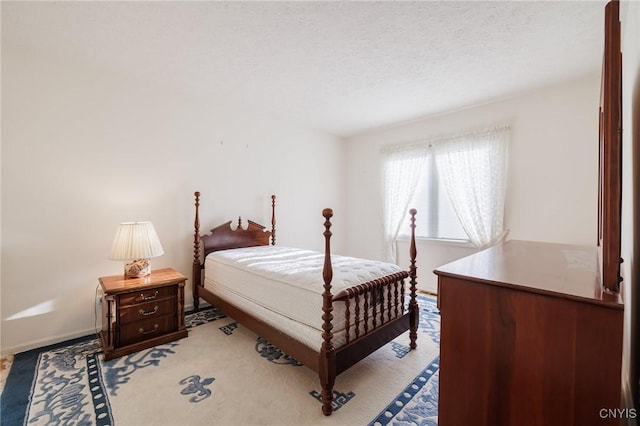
<point x="340" y="67"/>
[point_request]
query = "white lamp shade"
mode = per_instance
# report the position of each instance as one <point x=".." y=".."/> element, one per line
<point x="136" y="240"/>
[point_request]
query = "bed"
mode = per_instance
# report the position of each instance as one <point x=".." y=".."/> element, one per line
<point x="326" y="311"/>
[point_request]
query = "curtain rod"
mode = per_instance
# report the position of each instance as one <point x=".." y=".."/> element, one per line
<point x="428" y="142"/>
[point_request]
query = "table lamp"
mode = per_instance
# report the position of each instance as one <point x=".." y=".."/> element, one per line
<point x="136" y="243"/>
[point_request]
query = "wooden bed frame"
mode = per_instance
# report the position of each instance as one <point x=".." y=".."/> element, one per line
<point x="327" y="360"/>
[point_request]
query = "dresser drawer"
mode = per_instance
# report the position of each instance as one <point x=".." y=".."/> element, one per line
<point x="147" y="310"/>
<point x="142" y="330"/>
<point x="147" y="295"/>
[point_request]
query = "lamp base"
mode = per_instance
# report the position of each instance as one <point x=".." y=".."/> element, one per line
<point x="137" y="268"/>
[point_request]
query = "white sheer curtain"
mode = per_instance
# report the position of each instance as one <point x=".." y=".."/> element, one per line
<point x="473" y="169"/>
<point x="402" y="168"/>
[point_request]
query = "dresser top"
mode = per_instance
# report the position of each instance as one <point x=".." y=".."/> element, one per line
<point x="558" y="270"/>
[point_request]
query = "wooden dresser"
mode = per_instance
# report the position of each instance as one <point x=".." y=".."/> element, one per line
<point x="142" y="312"/>
<point x="528" y="337"/>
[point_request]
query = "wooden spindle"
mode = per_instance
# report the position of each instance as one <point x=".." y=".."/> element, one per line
<point x="357" y="315"/>
<point x="373" y="295"/>
<point x="395" y="297"/>
<point x="366" y="313"/>
<point x="389" y="301"/>
<point x="347" y="314"/>
<point x="382" y="302"/>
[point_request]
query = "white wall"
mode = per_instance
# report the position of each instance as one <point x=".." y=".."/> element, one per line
<point x="630" y="244"/>
<point x="553" y="160"/>
<point x="84" y="150"/>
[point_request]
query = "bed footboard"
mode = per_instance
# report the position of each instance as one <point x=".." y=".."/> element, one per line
<point x="378" y="316"/>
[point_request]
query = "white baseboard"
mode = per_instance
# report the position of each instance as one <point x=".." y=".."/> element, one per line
<point x="35" y="344"/>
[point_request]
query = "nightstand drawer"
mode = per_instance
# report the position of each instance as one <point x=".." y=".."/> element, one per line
<point x="148" y="310"/>
<point x="147" y="295"/>
<point x="142" y="330"/>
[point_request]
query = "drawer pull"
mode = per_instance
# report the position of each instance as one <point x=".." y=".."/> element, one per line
<point x="143" y="331"/>
<point x="147" y="313"/>
<point x="149" y="297"/>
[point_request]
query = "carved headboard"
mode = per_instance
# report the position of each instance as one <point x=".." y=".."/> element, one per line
<point x="225" y="237"/>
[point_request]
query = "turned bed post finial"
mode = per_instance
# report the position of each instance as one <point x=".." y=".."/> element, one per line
<point x="413" y="304"/>
<point x="196" y="234"/>
<point x="327" y="351"/>
<point x="327" y="272"/>
<point x="273" y="220"/>
<point x="196" y="254"/>
<point x="412" y="248"/>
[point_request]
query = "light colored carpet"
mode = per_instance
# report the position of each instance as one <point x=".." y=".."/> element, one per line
<point x="223" y="374"/>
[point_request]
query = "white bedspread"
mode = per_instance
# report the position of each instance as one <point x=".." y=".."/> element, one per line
<point x="288" y="281"/>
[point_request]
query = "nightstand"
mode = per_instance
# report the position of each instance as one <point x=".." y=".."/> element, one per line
<point x="142" y="312"/>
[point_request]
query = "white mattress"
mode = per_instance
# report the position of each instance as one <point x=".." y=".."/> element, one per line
<point x="287" y="282"/>
<point x="311" y="337"/>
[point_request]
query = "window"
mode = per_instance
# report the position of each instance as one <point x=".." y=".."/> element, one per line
<point x="457" y="184"/>
<point x="436" y="217"/>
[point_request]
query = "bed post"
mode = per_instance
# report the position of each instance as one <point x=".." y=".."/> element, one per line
<point x="414" y="311"/>
<point x="327" y="362"/>
<point x="273" y="220"/>
<point x="197" y="270"/>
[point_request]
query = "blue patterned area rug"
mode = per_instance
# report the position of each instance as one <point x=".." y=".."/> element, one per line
<point x="221" y="374"/>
